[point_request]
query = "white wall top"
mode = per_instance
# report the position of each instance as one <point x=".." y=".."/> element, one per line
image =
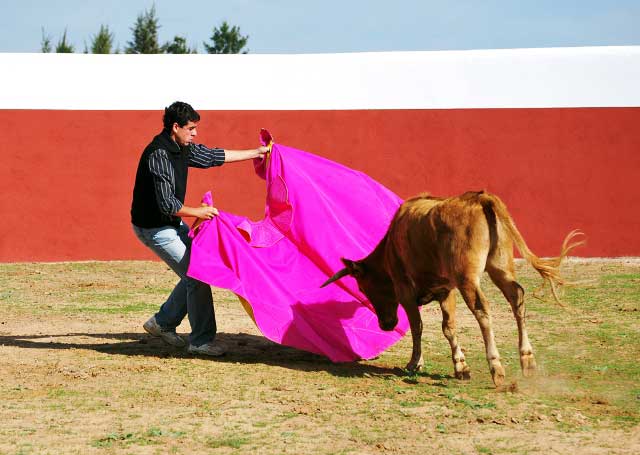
<point x="510" y="78"/>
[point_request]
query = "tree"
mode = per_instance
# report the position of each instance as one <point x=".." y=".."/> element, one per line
<point x="63" y="47"/>
<point x="178" y="46"/>
<point x="45" y="44"/>
<point x="227" y="40"/>
<point x="102" y="43"/>
<point x="145" y="34"/>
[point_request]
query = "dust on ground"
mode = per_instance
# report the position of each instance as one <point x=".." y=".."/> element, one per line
<point x="79" y="375"/>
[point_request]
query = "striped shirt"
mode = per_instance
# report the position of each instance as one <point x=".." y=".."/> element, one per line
<point x="163" y="176"/>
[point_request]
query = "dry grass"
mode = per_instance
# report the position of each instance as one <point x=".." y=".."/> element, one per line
<point x="80" y="376"/>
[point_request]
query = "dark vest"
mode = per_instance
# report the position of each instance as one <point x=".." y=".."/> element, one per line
<point x="145" y="212"/>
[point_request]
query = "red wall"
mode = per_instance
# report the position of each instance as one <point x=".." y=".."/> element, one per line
<point x="67" y="176"/>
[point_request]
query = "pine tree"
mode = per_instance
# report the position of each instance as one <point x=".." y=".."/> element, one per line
<point x="45" y="43"/>
<point x="178" y="46"/>
<point x="227" y="40"/>
<point x="145" y="34"/>
<point x="102" y="43"/>
<point x="63" y="47"/>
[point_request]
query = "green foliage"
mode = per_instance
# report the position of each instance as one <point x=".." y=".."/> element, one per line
<point x="227" y="40"/>
<point x="178" y="46"/>
<point x="63" y="47"/>
<point x="45" y="43"/>
<point x="145" y="34"/>
<point x="102" y="43"/>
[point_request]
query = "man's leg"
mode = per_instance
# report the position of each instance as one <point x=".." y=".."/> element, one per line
<point x="166" y="243"/>
<point x="190" y="296"/>
<point x="199" y="300"/>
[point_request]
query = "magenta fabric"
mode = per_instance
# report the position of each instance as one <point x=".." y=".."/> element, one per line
<point x="317" y="211"/>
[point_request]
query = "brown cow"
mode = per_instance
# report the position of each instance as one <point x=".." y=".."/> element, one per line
<point x="435" y="245"/>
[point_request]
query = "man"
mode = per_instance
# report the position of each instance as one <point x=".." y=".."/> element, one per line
<point x="156" y="211"/>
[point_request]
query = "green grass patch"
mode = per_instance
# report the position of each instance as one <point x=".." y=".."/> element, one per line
<point x="62" y="393"/>
<point x="113" y="309"/>
<point x="235" y="442"/>
<point x="410" y="404"/>
<point x="153" y="436"/>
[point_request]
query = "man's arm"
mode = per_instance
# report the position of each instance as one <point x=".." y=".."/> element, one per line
<point x="163" y="182"/>
<point x="205" y="212"/>
<point x="163" y="177"/>
<point x="204" y="157"/>
<point x="241" y="155"/>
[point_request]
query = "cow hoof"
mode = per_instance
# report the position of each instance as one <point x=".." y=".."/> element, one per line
<point x="497" y="375"/>
<point x="528" y="364"/>
<point x="462" y="371"/>
<point x="415" y="366"/>
<point x="464" y="375"/>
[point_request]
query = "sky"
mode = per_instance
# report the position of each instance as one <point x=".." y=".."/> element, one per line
<point x="329" y="26"/>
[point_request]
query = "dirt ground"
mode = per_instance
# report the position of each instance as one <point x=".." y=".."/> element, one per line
<point x="78" y="375"/>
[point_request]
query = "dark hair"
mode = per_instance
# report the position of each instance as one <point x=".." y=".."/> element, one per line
<point x="180" y="113"/>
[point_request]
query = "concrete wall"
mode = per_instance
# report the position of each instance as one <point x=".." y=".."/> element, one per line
<point x="553" y="132"/>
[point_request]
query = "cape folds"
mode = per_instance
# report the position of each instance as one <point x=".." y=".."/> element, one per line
<point x="316" y="212"/>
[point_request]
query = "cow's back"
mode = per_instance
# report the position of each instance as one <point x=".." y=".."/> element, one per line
<point x="438" y="238"/>
<point x="410" y="250"/>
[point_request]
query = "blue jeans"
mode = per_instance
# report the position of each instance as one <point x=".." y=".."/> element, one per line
<point x="190" y="297"/>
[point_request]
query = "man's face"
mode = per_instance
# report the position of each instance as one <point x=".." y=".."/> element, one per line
<point x="184" y="135"/>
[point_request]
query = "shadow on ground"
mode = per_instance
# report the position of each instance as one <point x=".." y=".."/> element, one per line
<point x="241" y="348"/>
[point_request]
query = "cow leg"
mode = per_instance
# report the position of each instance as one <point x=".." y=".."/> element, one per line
<point x="415" y="322"/>
<point x="504" y="279"/>
<point x="479" y="306"/>
<point x="448" y="307"/>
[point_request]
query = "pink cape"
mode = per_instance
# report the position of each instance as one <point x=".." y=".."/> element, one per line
<point x="317" y="211"/>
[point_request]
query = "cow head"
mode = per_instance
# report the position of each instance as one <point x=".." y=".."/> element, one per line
<point x="376" y="284"/>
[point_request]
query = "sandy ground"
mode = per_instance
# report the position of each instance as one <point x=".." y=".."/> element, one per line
<point x="79" y="375"/>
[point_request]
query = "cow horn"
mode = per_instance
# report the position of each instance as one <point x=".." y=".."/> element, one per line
<point x="337" y="276"/>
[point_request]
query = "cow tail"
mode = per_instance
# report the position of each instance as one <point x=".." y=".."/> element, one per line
<point x="548" y="268"/>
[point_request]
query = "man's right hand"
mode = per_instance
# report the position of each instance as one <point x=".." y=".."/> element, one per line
<point x="207" y="212"/>
<point x="204" y="212"/>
